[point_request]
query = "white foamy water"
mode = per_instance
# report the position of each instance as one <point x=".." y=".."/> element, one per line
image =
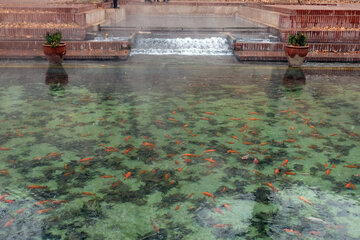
<point x="214" y="46"/>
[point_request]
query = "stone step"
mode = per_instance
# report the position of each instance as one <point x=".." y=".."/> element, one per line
<point x="311" y="21"/>
<point x="313" y="47"/>
<point x="60" y="8"/>
<point x="324" y="35"/>
<point x="37" y="16"/>
<point x="279" y="56"/>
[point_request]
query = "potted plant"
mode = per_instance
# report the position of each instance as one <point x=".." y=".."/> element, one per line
<point x="297" y="49"/>
<point x="54" y="49"/>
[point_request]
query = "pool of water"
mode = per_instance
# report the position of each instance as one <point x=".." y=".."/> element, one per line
<point x="179" y="147"/>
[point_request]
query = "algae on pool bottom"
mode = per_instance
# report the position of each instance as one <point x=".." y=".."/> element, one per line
<point x="165" y="117"/>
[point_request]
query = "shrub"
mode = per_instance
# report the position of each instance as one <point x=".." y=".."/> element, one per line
<point x="298" y="39"/>
<point x="53" y="39"/>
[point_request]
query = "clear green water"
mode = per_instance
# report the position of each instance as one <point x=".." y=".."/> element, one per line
<point x="82" y="109"/>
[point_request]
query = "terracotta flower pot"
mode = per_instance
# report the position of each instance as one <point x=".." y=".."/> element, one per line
<point x="55" y="55"/>
<point x="296" y="54"/>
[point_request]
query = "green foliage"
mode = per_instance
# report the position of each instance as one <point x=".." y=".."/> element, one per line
<point x="298" y="39"/>
<point x="53" y="39"/>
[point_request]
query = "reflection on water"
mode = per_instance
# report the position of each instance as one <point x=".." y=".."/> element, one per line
<point x="56" y="77"/>
<point x="179" y="148"/>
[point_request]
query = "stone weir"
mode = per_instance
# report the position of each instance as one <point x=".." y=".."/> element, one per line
<point x="22" y="30"/>
<point x="333" y="32"/>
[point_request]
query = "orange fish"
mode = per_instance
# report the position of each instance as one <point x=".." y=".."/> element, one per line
<point x="210" y="150"/>
<point x="211" y="113"/>
<point x="293" y="231"/>
<point x="205" y="119"/>
<point x="352" y="134"/>
<point x="89" y="194"/>
<point x="248" y="143"/>
<point x="68" y="173"/>
<point x="262" y="144"/>
<point x="115" y="184"/>
<point x="219" y="211"/>
<point x="350" y="185"/>
<point x="86" y="159"/>
<point x="190" y="195"/>
<point x="305" y="200"/>
<point x="153" y="171"/>
<point x="285" y="162"/>
<point x="44" y="210"/>
<point x="42" y="202"/>
<point x="127" y="138"/>
<point x="224" y="189"/>
<point x="290" y="140"/>
<point x="292" y="128"/>
<point x="209" y="195"/>
<point x="210" y="160"/>
<point x="127" y="175"/>
<point x="60" y="201"/>
<point x="155" y="227"/>
<point x="166" y="177"/>
<point x="253" y="119"/>
<point x="9" y="222"/>
<point x="272" y="187"/>
<point x="256" y="161"/>
<point x="235" y="119"/>
<point x="171" y="119"/>
<point x="190" y="155"/>
<point x="328" y="171"/>
<point x="5" y="149"/>
<point x="257" y="172"/>
<point x="276" y="172"/>
<point x="227" y="206"/>
<point x="351" y="166"/>
<point x="180" y="169"/>
<point x="253" y="113"/>
<point x="230" y="142"/>
<point x="127" y="150"/>
<point x="143" y="171"/>
<point x="148" y="144"/>
<point x="232" y="151"/>
<point x="54" y="154"/>
<point x="107" y="176"/>
<point x="177" y="207"/>
<point x="172" y="181"/>
<point x="331" y="135"/>
<point x="20" y="210"/>
<point x="221" y="225"/>
<point x="36" y="186"/>
<point x="235" y="138"/>
<point x="289" y="173"/>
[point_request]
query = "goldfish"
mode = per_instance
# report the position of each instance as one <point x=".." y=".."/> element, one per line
<point x="328" y="171"/>
<point x="54" y="154"/>
<point x="352" y="134"/>
<point x="289" y="173"/>
<point x="230" y="142"/>
<point x="350" y="185"/>
<point x="235" y="119"/>
<point x="292" y="128"/>
<point x="312" y="146"/>
<point x="248" y="143"/>
<point x="177" y="207"/>
<point x="253" y="119"/>
<point x="41" y="202"/>
<point x="167" y="136"/>
<point x="285" y="162"/>
<point x="221" y="225"/>
<point x="209" y="195"/>
<point x="172" y="119"/>
<point x="6" y="149"/>
<point x="272" y="187"/>
<point x="44" y="210"/>
<point x="235" y="138"/>
<point x="224" y="189"/>
<point x="227" y="206"/>
<point x="190" y="155"/>
<point x="253" y="113"/>
<point x="219" y="211"/>
<point x="257" y="172"/>
<point x="180" y="169"/>
<point x="86" y="159"/>
<point x="20" y="210"/>
<point x="68" y="173"/>
<point x="262" y="144"/>
<point x="245" y="157"/>
<point x="36" y="186"/>
<point x="177" y="162"/>
<point x="210" y="113"/>
<point x="148" y="144"/>
<point x="153" y="171"/>
<point x="127" y="175"/>
<point x="171" y="155"/>
<point x="205" y="119"/>
<point x="127" y="138"/>
<point x="290" y="140"/>
<point x="284" y="111"/>
<point x="190" y="195"/>
<point x="155" y="227"/>
<point x="331" y="135"/>
<point x="210" y="160"/>
<point x="107" y="176"/>
<point x="166" y="177"/>
<point x="276" y="172"/>
<point x="127" y="150"/>
<point x="333" y="166"/>
<point x="256" y="161"/>
<point x="177" y="142"/>
<point x="143" y="171"/>
<point x="171" y="182"/>
<point x="60" y="201"/>
<point x="9" y="222"/>
<point x="89" y="194"/>
<point x="293" y="231"/>
<point x="115" y="184"/>
<point x="210" y="150"/>
<point x="4" y="171"/>
<point x="232" y="151"/>
<point x="351" y="166"/>
<point x="305" y="200"/>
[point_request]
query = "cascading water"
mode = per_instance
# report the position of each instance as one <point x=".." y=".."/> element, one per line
<point x="181" y="46"/>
